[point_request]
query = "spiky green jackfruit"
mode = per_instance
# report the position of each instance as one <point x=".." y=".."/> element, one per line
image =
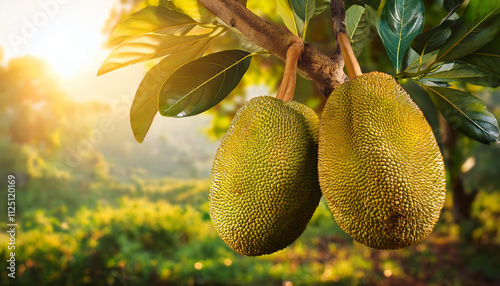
<point x="380" y="168"/>
<point x="264" y="181"/>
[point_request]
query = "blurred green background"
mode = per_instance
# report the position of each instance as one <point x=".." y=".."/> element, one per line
<point x="94" y="207"/>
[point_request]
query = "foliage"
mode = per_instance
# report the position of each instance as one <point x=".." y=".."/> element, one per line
<point x="460" y="48"/>
<point x="173" y="33"/>
<point x="184" y="94"/>
<point x="399" y="23"/>
<point x="359" y="21"/>
<point x="433" y="59"/>
<point x="465" y="112"/>
<point x="433" y="64"/>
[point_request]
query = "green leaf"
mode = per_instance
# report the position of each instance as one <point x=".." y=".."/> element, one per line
<point x="151" y="19"/>
<point x="432" y="39"/>
<point x="413" y="62"/>
<point x="358" y="28"/>
<point x="373" y="17"/>
<point x="145" y="105"/>
<point x="243" y="43"/>
<point x="487" y="57"/>
<point x="195" y="10"/>
<point x="200" y="84"/>
<point x="145" y="47"/>
<point x="465" y="113"/>
<point x="477" y="26"/>
<point x="451" y="5"/>
<point x="320" y="6"/>
<point x="303" y="8"/>
<point x="375" y="4"/>
<point x="290" y="18"/>
<point x="431" y="82"/>
<point x="400" y="22"/>
<point x="466" y="73"/>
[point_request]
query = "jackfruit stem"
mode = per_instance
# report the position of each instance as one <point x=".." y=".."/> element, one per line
<point x="350" y="61"/>
<point x="337" y="8"/>
<point x="287" y="86"/>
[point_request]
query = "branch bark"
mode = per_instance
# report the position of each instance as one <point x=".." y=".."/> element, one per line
<point x="326" y="72"/>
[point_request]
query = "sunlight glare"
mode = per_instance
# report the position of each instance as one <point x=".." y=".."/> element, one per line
<point x="68" y="48"/>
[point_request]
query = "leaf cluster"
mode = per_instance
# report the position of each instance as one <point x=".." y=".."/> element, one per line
<point x="187" y="81"/>
<point x="460" y="49"/>
<point x="179" y="41"/>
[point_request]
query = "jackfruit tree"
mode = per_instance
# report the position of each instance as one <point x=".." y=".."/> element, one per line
<point x="374" y="153"/>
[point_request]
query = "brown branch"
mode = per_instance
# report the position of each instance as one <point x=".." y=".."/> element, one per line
<point x="287" y="86"/>
<point x="337" y="9"/>
<point x="337" y="57"/>
<point x="326" y="72"/>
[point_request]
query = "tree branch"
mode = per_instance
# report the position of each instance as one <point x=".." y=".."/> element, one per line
<point x="337" y="9"/>
<point x="326" y="72"/>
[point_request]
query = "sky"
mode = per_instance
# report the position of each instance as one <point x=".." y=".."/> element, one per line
<point x="68" y="35"/>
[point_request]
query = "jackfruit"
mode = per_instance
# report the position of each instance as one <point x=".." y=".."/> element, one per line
<point x="380" y="168"/>
<point x="264" y="181"/>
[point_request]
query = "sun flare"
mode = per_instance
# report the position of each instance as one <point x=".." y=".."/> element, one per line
<point x="68" y="49"/>
<point x="67" y="35"/>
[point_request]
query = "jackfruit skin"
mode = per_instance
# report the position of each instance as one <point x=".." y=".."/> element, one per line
<point x="264" y="182"/>
<point x="380" y="168"/>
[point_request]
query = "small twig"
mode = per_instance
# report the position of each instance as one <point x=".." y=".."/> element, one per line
<point x="287" y="86"/>
<point x="338" y="16"/>
<point x="337" y="9"/>
<point x="350" y="61"/>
